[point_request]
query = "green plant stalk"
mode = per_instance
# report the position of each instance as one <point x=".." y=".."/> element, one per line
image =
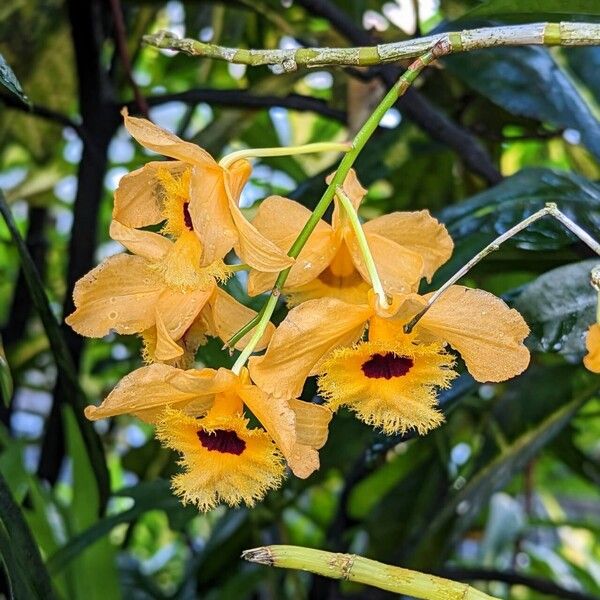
<point x="228" y="160"/>
<point x="265" y="317"/>
<point x="363" y="135"/>
<point x="363" y="245"/>
<point x="363" y="570"/>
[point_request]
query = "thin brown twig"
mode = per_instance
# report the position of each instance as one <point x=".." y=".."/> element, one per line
<point x="121" y="41"/>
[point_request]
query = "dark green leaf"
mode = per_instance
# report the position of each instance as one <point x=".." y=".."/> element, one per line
<point x="496" y="210"/>
<point x="25" y="570"/>
<point x="155" y="495"/>
<point x="585" y="62"/>
<point x="469" y="501"/>
<point x="9" y="80"/>
<point x="523" y="11"/>
<point x="559" y="307"/>
<point x="64" y="363"/>
<point x="528" y="82"/>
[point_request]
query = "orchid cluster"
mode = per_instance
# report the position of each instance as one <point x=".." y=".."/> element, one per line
<point x="351" y="291"/>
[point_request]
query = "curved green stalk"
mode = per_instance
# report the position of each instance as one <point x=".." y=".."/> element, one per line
<point x="361" y="238"/>
<point x="228" y="160"/>
<point x="263" y="321"/>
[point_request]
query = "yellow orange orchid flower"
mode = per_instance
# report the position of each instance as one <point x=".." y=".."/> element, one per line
<point x="481" y="327"/>
<point x="390" y="384"/>
<point x="592" y="359"/>
<point x="406" y="246"/>
<point x="200" y="413"/>
<point x="197" y="197"/>
<point x="133" y="294"/>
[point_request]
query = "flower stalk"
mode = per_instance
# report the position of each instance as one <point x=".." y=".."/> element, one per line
<point x="364" y="247"/>
<point x="363" y="570"/>
<point x="361" y="138"/>
<point x="263" y="320"/>
<point x="546" y="34"/>
<point x="228" y="160"/>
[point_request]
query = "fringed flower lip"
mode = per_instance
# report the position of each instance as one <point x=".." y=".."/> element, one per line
<point x="391" y="385"/>
<point x="482" y="328"/>
<point x="298" y="429"/>
<point x="210" y="195"/>
<point x="592" y="343"/>
<point x="128" y="294"/>
<point x="222" y="459"/>
<point x="406" y="246"/>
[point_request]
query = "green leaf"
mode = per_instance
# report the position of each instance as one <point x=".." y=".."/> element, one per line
<point x="64" y="362"/>
<point x="93" y="573"/>
<point x="470" y="500"/>
<point x="6" y="381"/>
<point x="559" y="307"/>
<point x="528" y="82"/>
<point x="25" y="570"/>
<point x="585" y="63"/>
<point x="494" y="211"/>
<point x="9" y="80"/>
<point x="154" y="495"/>
<point x="523" y="11"/>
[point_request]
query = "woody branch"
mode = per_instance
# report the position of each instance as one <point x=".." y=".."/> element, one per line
<point x="544" y="34"/>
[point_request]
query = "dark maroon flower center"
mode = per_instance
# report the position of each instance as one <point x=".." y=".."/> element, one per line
<point x="222" y="440"/>
<point x="187" y="218"/>
<point x="387" y="365"/>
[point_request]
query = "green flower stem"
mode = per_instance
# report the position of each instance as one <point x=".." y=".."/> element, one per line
<point x="363" y="570"/>
<point x="228" y="160"/>
<point x="263" y="321"/>
<point x="361" y="238"/>
<point x="363" y="135"/>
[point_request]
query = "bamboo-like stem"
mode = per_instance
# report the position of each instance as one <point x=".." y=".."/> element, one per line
<point x="549" y="209"/>
<point x="364" y="247"/>
<point x="547" y="34"/>
<point x="363" y="570"/>
<point x="361" y="138"/>
<point x="229" y="159"/>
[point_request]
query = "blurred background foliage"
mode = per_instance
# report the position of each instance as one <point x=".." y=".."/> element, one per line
<point x="505" y="494"/>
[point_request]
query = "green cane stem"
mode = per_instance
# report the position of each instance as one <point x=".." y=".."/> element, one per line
<point x="363" y="570"/>
<point x="363" y="135"/>
<point x="361" y="238"/>
<point x="547" y="34"/>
